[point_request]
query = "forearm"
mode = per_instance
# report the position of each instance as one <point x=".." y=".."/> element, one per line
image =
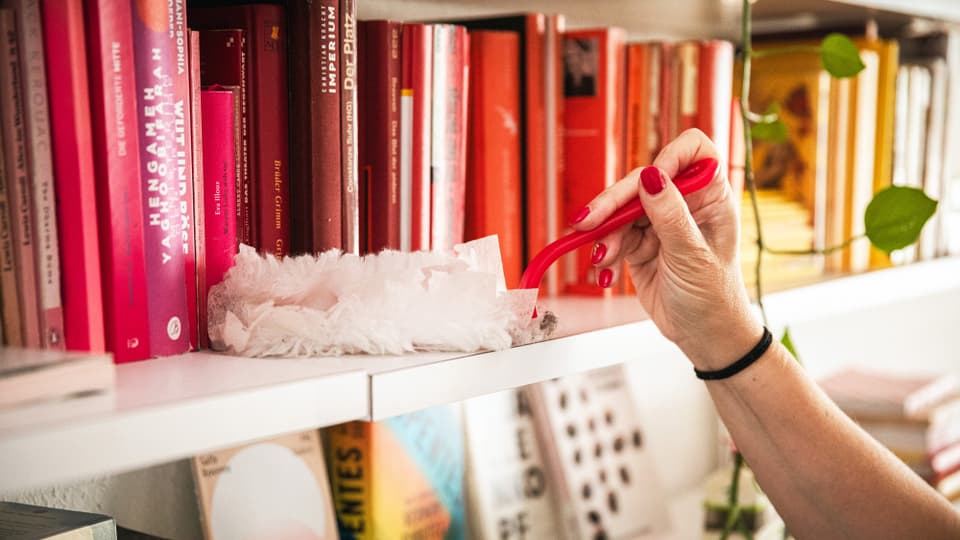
<point x="825" y="476"/>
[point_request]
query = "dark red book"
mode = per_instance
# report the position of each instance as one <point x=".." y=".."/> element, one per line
<point x="715" y="92"/>
<point x="315" y="215"/>
<point x="669" y="106"/>
<point x="353" y="236"/>
<point x="13" y="175"/>
<point x="451" y="60"/>
<point x="161" y="97"/>
<point x="197" y="297"/>
<point x="18" y="183"/>
<point x="493" y="204"/>
<point x="593" y="136"/>
<point x="220" y="221"/>
<point x="223" y="61"/>
<point x="379" y="101"/>
<point x="40" y="164"/>
<point x="183" y="141"/>
<point x="418" y="89"/>
<point x="73" y="166"/>
<point x="118" y="190"/>
<point x="266" y="85"/>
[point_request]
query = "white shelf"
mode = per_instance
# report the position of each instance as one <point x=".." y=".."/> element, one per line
<point x="167" y="409"/>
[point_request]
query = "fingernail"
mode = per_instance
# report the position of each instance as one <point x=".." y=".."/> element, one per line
<point x="652" y="180"/>
<point x="605" y="278"/>
<point x="599" y="251"/>
<point x="580" y="216"/>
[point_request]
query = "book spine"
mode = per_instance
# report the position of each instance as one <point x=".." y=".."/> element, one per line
<point x="220" y="219"/>
<point x="688" y="75"/>
<point x="493" y="149"/>
<point x="118" y="189"/>
<point x="379" y="100"/>
<point x="553" y="107"/>
<point x="184" y="167"/>
<point x="268" y="67"/>
<point x="349" y="172"/>
<point x="714" y="92"/>
<point x="18" y="183"/>
<point x="198" y="306"/>
<point x="73" y="166"/>
<point x="9" y="292"/>
<point x="350" y="463"/>
<point x="535" y="136"/>
<point x="160" y="113"/>
<point x="40" y="163"/>
<point x="406" y="139"/>
<point x="669" y="90"/>
<point x="448" y="167"/>
<point x="418" y="54"/>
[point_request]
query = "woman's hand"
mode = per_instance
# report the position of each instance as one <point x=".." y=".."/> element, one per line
<point x="683" y="257"/>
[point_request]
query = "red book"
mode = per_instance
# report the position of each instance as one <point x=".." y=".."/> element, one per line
<point x="183" y="139"/>
<point x="493" y="147"/>
<point x="219" y="173"/>
<point x="737" y="155"/>
<point x="353" y="236"/>
<point x="593" y="142"/>
<point x="715" y="92"/>
<point x="223" y="62"/>
<point x="73" y="166"/>
<point x="15" y="217"/>
<point x="451" y="54"/>
<point x="639" y="116"/>
<point x="379" y="100"/>
<point x="40" y="164"/>
<point x="161" y="83"/>
<point x="669" y="106"/>
<point x="266" y="84"/>
<point x="418" y="82"/>
<point x="117" y="165"/>
<point x="315" y="216"/>
<point x="687" y="77"/>
<point x="197" y="296"/>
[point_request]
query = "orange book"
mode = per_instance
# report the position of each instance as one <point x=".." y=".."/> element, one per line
<point x="714" y="92"/>
<point x="493" y="148"/>
<point x="593" y="92"/>
<point x="639" y="115"/>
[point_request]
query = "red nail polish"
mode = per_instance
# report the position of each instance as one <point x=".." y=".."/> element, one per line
<point x="599" y="251"/>
<point x="580" y="216"/>
<point x="652" y="180"/>
<point x="605" y="278"/>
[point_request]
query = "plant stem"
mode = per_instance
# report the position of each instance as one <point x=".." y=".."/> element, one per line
<point x="786" y="50"/>
<point x="813" y="251"/>
<point x="733" y="508"/>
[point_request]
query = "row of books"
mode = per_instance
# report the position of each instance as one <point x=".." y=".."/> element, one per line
<point x="847" y="139"/>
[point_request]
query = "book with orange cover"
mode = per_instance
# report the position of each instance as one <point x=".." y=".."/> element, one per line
<point x="638" y="111"/>
<point x="688" y="79"/>
<point x="593" y="131"/>
<point x="493" y="146"/>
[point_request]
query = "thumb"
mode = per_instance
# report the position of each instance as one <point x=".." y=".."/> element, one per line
<point x="668" y="213"/>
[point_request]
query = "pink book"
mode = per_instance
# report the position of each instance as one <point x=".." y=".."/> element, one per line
<point x="40" y="163"/>
<point x="18" y="180"/>
<point x="183" y="127"/>
<point x="73" y="167"/>
<point x="196" y="132"/>
<point x="161" y="76"/>
<point x="219" y="177"/>
<point x="117" y="166"/>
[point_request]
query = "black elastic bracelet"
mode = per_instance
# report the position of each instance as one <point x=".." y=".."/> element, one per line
<point x="741" y="364"/>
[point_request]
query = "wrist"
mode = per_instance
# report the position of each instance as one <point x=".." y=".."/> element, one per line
<point x="732" y="337"/>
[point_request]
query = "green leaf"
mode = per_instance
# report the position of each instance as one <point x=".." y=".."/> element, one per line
<point x="788" y="344"/>
<point x="775" y="131"/>
<point x="840" y="56"/>
<point x="896" y="215"/>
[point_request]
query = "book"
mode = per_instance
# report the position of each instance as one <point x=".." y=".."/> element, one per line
<point x="18" y="181"/>
<point x="638" y="111"/>
<point x="378" y="96"/>
<point x="276" y="488"/>
<point x="595" y="452"/>
<point x="593" y="132"/>
<point x="493" y="190"/>
<point x="32" y="375"/>
<point x="417" y="101"/>
<point x="220" y="178"/>
<point x="876" y="395"/>
<point x="265" y="77"/>
<point x="509" y="493"/>
<point x="117" y="180"/>
<point x="66" y="61"/>
<point x="714" y="92"/>
<point x="688" y="76"/>
<point x="316" y="223"/>
<point x="23" y="521"/>
<point x="888" y="52"/>
<point x="184" y="154"/>
<point x="451" y="55"/>
<point x="401" y="477"/>
<point x="913" y="83"/>
<point x="36" y="116"/>
<point x="198" y="310"/>
<point x="223" y="61"/>
<point x="349" y="173"/>
<point x="161" y="98"/>
<point x="9" y="291"/>
<point x="861" y="149"/>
